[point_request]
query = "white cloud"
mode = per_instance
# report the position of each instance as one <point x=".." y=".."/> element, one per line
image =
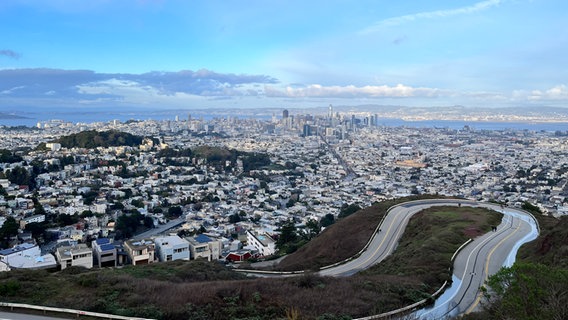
<point x="559" y="92"/>
<point x="395" y="21"/>
<point x="319" y="91"/>
<point x="11" y="90"/>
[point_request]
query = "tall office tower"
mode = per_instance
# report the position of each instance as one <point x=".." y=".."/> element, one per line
<point x="307" y="130"/>
<point x="189" y="117"/>
<point x="330" y="115"/>
<point x="285" y="114"/>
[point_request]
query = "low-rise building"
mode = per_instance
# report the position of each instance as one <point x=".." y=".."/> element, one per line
<point x="239" y="255"/>
<point x="104" y="253"/>
<point x="31" y="219"/>
<point x="202" y="246"/>
<point x="265" y="245"/>
<point x="26" y="256"/>
<point x="140" y="251"/>
<point x="75" y="256"/>
<point x="171" y="248"/>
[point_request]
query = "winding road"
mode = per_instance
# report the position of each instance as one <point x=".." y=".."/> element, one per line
<point x="477" y="260"/>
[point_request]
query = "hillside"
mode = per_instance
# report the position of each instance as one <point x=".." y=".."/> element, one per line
<point x="551" y="247"/>
<point x="202" y="290"/>
<point x="342" y="239"/>
<point x="535" y="286"/>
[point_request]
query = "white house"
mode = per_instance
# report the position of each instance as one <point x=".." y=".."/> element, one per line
<point x="265" y="245"/>
<point x="171" y="248"/>
<point x="26" y="256"/>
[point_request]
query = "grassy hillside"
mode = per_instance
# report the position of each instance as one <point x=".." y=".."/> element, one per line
<point x="342" y="239"/>
<point x="551" y="247"/>
<point x="431" y="238"/>
<point x="201" y="290"/>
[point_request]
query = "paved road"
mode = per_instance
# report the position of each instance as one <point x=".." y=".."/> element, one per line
<point x="482" y="257"/>
<point x="21" y="316"/>
<point x="382" y="245"/>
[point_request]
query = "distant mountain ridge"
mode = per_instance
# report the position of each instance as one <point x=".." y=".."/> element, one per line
<point x="4" y="115"/>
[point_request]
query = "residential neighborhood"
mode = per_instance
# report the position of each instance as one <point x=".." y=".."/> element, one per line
<point x="221" y="189"/>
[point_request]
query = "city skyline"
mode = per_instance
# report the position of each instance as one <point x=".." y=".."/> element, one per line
<point x="173" y="54"/>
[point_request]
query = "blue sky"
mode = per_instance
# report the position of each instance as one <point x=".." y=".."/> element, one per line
<point x="196" y="54"/>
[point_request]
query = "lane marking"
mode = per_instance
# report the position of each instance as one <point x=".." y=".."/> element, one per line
<point x="490" y="236"/>
<point x="382" y="242"/>
<point x="488" y="259"/>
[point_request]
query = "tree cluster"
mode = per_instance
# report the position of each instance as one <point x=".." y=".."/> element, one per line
<point x="7" y="156"/>
<point x="528" y="291"/>
<point x="128" y="224"/>
<point x="93" y="139"/>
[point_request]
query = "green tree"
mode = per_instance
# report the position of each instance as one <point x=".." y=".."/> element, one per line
<point x="313" y="228"/>
<point x="36" y="228"/>
<point x="86" y="214"/>
<point x="288" y="234"/>
<point x="9" y="228"/>
<point x="38" y="208"/>
<point x="138" y="203"/>
<point x="234" y="218"/>
<point x="7" y="156"/>
<point x="66" y="220"/>
<point x="347" y="210"/>
<point x="89" y="197"/>
<point x="531" y="208"/>
<point x="529" y="291"/>
<point x="148" y="222"/>
<point x="175" y="211"/>
<point x="327" y="220"/>
<point x="127" y="224"/>
<point x="19" y="176"/>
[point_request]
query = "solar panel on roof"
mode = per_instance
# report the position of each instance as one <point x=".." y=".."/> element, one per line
<point x="107" y="247"/>
<point x="202" y="238"/>
<point x="102" y="241"/>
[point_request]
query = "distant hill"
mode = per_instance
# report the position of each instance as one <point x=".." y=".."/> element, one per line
<point x="94" y="139"/>
<point x="4" y="115"/>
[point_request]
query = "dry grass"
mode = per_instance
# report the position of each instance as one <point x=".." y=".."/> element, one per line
<point x="201" y="290"/>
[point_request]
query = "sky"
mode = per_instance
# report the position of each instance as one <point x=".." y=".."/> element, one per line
<point x="202" y="54"/>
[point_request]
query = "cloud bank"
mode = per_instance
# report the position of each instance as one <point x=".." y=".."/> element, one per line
<point x="75" y="88"/>
<point x="318" y="91"/>
<point x="86" y="84"/>
<point x="559" y="92"/>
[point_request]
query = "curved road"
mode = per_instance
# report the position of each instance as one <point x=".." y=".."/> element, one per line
<point x="482" y="257"/>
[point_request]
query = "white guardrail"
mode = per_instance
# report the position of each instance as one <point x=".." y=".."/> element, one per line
<point x="77" y="313"/>
<point x="458" y="202"/>
<point x="421" y="302"/>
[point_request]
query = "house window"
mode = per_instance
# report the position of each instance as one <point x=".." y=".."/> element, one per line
<point x="169" y="257"/>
